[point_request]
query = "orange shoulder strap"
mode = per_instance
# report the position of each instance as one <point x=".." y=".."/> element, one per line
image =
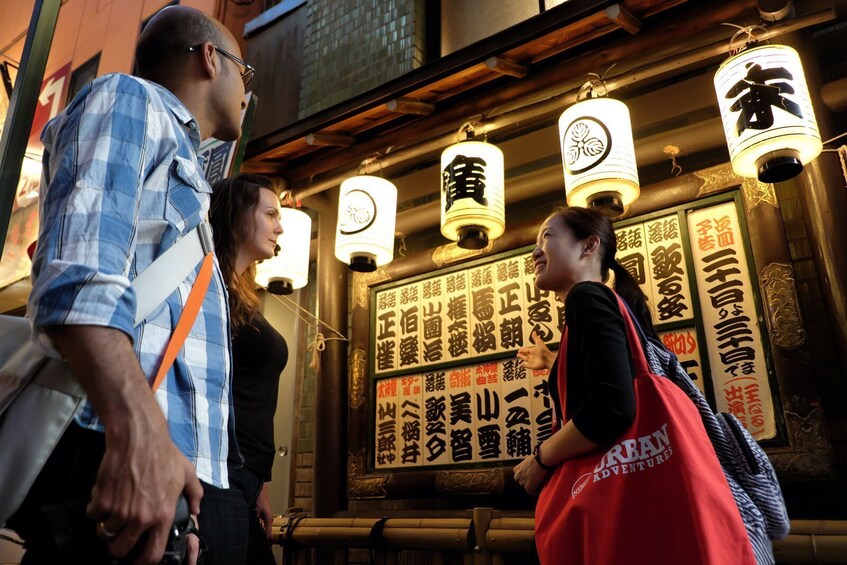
<point x="186" y="319"/>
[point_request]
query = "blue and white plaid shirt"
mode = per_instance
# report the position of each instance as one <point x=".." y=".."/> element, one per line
<point x="121" y="184"/>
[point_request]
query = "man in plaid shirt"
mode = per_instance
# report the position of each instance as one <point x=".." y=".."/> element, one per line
<point x="122" y="183"/>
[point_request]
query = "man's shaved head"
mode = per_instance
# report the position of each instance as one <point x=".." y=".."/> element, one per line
<point x="167" y="37"/>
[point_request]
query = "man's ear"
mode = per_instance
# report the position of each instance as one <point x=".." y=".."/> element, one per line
<point x="210" y="61"/>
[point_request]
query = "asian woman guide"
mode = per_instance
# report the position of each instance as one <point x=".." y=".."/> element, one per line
<point x="629" y="475"/>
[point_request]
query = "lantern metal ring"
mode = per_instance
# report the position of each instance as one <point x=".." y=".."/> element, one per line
<point x="365" y="165"/>
<point x="751" y="38"/>
<point x="469" y="131"/>
<point x="593" y="83"/>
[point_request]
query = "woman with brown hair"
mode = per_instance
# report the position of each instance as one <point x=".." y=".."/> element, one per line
<point x="245" y="217"/>
<point x="629" y="475"/>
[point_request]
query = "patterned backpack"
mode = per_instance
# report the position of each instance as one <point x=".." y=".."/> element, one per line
<point x="748" y="470"/>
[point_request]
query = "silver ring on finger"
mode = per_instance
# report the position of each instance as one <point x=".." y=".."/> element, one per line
<point x="106" y="532"/>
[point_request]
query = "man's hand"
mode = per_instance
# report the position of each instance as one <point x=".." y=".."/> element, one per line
<point x="263" y="510"/>
<point x="142" y="472"/>
<point x="140" y="478"/>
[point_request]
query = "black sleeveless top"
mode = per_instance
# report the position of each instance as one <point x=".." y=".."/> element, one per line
<point x="259" y="354"/>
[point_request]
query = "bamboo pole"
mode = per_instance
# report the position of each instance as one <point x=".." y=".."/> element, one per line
<point x="810" y="541"/>
<point x="819" y="527"/>
<point x="811" y="548"/>
<point x="433" y="539"/>
<point x="430" y="523"/>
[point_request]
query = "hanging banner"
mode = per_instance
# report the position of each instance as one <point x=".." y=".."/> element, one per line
<point x="736" y="356"/>
<point x="632" y="254"/>
<point x="488" y="412"/>
<point x="669" y="279"/>
<point x="410" y="420"/>
<point x="387" y="393"/>
<point x="408" y="348"/>
<point x="652" y="252"/>
<point x="683" y="343"/>
<point x="484" y="310"/>
<point x="434" y="330"/>
<point x="435" y="423"/>
<point x="386" y="335"/>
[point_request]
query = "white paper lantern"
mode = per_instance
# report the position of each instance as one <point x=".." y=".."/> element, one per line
<point x="289" y="270"/>
<point x="598" y="155"/>
<point x="367" y="209"/>
<point x="472" y="200"/>
<point x="767" y="114"/>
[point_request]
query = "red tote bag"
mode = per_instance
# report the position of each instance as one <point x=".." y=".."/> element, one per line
<point x="657" y="496"/>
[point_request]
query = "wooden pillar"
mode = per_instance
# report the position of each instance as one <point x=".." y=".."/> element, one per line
<point x="824" y="203"/>
<point x="330" y="470"/>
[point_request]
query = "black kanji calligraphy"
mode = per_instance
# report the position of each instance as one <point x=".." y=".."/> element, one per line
<point x="464" y="177"/>
<point x="518" y="442"/>
<point x="489" y="441"/>
<point x="461" y="447"/>
<point x="759" y="95"/>
<point x="483" y="337"/>
<point x="460" y="408"/>
<point x="488" y="405"/>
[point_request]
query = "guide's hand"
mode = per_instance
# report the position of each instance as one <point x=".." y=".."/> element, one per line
<point x="537" y="356"/>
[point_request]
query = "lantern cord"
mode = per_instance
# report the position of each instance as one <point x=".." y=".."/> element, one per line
<point x="836" y="138"/>
<point x="672" y="151"/>
<point x="842" y="156"/>
<point x="594" y="82"/>
<point x="402" y="250"/>
<point x="676" y="170"/>
<point x="606" y="72"/>
<point x="288" y="304"/>
<point x="318" y="344"/>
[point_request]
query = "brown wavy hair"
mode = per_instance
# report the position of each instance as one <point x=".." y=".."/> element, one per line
<point x="233" y="201"/>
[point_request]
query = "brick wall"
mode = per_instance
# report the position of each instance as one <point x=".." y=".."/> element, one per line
<point x="353" y="46"/>
<point x="304" y="410"/>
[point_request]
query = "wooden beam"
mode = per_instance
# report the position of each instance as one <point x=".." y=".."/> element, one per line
<point x="263" y="167"/>
<point x="624" y="18"/>
<point x="329" y="139"/>
<point x="408" y="106"/>
<point x="643" y="49"/>
<point x="506" y="67"/>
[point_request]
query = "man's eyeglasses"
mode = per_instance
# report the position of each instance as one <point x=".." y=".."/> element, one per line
<point x="246" y="74"/>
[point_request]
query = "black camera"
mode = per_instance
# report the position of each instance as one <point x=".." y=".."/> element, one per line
<point x="65" y="522"/>
<point x="177" y="539"/>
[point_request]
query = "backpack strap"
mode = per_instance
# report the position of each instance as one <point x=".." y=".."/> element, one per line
<point x="186" y="319"/>
<point x="163" y="275"/>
